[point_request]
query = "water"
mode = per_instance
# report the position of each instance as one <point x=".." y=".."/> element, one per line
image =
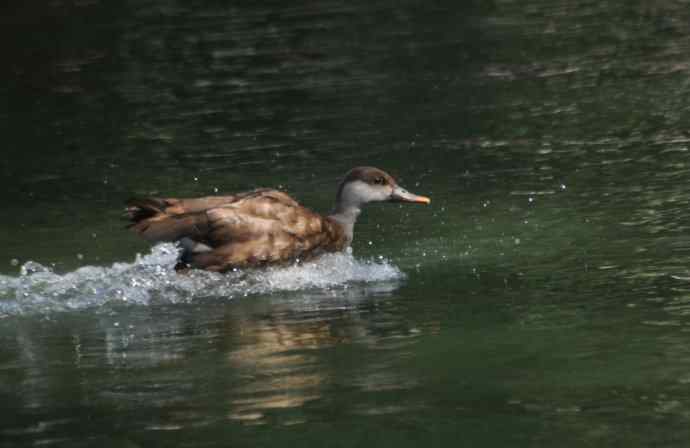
<point x="152" y="279"/>
<point x="542" y="299"/>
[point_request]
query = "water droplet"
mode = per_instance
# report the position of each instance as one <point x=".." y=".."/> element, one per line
<point x="517" y="240"/>
<point x="562" y="186"/>
<point x="215" y="189"/>
<point x="196" y="179"/>
<point x="80" y="256"/>
<point x="117" y="324"/>
<point x="14" y="262"/>
<point x="152" y="276"/>
<point x="531" y="199"/>
<point x="370" y="243"/>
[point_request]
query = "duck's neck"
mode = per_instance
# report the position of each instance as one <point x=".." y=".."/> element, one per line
<point x="346" y="215"/>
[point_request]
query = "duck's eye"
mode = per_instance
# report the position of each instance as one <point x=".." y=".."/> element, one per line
<point x="380" y="181"/>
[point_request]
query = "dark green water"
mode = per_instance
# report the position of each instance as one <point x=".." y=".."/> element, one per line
<point x="543" y="299"/>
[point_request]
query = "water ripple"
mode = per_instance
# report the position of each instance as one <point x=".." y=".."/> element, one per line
<point x="152" y="279"/>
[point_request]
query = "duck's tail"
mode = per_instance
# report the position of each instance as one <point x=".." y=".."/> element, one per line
<point x="139" y="209"/>
<point x="150" y="219"/>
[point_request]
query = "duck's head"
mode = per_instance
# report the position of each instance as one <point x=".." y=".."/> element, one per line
<point x="366" y="184"/>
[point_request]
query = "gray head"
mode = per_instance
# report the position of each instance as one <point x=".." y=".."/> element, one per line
<point x="366" y="184"/>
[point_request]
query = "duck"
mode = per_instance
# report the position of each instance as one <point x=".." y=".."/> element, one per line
<point x="260" y="227"/>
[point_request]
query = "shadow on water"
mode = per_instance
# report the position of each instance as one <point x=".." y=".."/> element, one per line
<point x="259" y="362"/>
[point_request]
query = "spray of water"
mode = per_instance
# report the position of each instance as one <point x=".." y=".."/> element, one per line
<point x="152" y="279"/>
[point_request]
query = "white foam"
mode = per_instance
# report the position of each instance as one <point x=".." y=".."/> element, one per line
<point x="152" y="279"/>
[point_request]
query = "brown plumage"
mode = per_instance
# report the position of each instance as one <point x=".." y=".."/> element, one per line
<point x="259" y="227"/>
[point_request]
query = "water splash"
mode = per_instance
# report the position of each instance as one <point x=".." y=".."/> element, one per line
<point x="152" y="279"/>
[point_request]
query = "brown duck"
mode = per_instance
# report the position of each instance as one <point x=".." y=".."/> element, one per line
<point x="260" y="227"/>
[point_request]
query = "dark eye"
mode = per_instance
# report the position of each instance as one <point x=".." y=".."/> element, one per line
<point x="380" y="181"/>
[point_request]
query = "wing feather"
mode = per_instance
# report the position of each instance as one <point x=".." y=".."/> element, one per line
<point x="248" y="229"/>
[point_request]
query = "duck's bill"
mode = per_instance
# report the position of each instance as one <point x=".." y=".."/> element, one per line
<point x="402" y="195"/>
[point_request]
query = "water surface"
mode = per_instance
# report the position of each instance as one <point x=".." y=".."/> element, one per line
<point x="542" y="299"/>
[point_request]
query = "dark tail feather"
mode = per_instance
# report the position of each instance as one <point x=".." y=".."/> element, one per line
<point x="140" y="209"/>
<point x="155" y="220"/>
<point x="162" y="227"/>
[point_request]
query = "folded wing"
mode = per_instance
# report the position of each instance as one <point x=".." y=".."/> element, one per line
<point x="249" y="229"/>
